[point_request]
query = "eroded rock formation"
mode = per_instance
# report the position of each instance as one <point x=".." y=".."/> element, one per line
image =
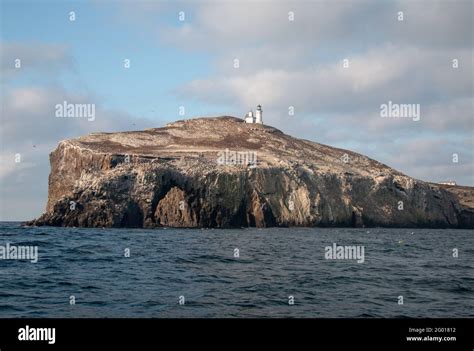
<point x="174" y="176"/>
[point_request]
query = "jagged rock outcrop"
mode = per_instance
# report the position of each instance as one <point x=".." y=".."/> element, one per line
<point x="187" y="175"/>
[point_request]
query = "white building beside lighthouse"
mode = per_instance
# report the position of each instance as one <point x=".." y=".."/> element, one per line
<point x="250" y="118"/>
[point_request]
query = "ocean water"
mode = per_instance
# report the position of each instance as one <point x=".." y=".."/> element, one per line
<point x="273" y="264"/>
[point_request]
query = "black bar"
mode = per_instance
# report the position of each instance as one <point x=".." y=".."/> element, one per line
<point x="313" y="334"/>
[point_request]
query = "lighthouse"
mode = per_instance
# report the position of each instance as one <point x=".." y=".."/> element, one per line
<point x="258" y="115"/>
<point x="257" y="118"/>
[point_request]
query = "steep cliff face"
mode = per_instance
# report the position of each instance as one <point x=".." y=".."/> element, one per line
<point x="221" y="172"/>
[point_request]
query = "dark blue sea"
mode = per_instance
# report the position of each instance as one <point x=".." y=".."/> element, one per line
<point x="273" y="264"/>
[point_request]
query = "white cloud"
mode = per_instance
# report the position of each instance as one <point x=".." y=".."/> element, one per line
<point x="31" y="129"/>
<point x="405" y="74"/>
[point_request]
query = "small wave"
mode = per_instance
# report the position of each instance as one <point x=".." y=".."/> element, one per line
<point x="38" y="243"/>
<point x="11" y="308"/>
<point x="65" y="283"/>
<point x="215" y="258"/>
<point x="90" y="287"/>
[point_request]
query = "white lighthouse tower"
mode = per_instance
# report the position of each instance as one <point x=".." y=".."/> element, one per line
<point x="258" y="115"/>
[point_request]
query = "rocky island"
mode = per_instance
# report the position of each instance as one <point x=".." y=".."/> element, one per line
<point x="224" y="173"/>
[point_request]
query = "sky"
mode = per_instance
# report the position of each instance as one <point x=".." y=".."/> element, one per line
<point x="334" y="63"/>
